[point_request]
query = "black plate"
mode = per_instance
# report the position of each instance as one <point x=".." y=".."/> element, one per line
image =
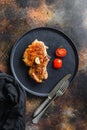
<point x="53" y="39"/>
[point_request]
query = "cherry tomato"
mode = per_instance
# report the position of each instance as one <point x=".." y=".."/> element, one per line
<point x="57" y="63"/>
<point x="61" y="52"/>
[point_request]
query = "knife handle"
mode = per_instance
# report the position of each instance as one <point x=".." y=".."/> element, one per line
<point x="40" y="108"/>
<point x="37" y="118"/>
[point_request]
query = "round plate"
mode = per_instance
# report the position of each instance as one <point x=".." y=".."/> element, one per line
<point x="53" y="39"/>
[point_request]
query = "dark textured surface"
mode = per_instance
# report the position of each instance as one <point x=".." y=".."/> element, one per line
<point x="68" y="112"/>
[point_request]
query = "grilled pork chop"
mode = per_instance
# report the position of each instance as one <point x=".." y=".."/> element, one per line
<point x="36" y="57"/>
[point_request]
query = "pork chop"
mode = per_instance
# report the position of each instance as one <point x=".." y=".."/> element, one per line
<point x="36" y="57"/>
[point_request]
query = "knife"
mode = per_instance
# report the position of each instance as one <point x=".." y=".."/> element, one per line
<point x="59" y="93"/>
<point x="51" y="94"/>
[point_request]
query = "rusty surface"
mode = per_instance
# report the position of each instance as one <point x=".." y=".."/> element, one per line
<point x="70" y="16"/>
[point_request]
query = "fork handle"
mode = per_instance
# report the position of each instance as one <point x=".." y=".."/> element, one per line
<point x="37" y="118"/>
<point x="41" y="107"/>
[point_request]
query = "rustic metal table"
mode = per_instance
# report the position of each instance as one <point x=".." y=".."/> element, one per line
<point x="70" y="16"/>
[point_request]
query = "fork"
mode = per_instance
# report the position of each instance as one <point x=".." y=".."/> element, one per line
<point x="60" y="92"/>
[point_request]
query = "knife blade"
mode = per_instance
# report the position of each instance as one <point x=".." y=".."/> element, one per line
<point x="36" y="119"/>
<point x="51" y="94"/>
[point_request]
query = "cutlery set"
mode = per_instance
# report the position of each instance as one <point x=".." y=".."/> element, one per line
<point x="57" y="91"/>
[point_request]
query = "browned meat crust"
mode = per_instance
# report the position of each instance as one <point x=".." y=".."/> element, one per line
<point x="36" y="57"/>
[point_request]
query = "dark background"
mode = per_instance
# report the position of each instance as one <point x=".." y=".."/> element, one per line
<point x="68" y="112"/>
